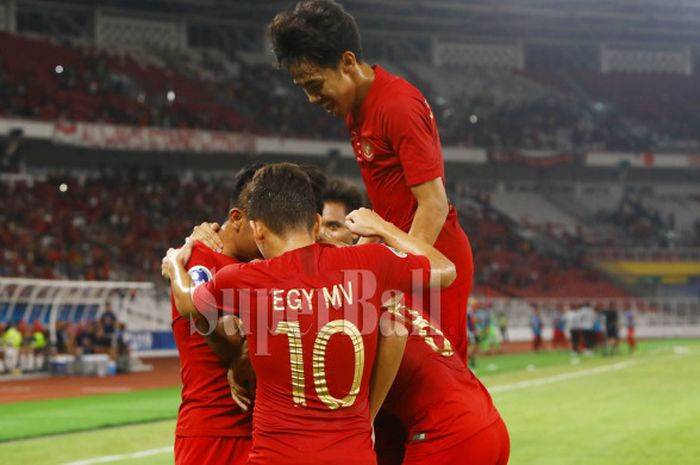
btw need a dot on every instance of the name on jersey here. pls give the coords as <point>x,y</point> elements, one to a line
<point>295,299</point>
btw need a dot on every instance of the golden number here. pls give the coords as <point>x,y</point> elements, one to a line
<point>424,327</point>
<point>296,359</point>
<point>319,362</point>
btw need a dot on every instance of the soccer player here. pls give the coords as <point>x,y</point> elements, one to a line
<point>322,367</point>
<point>211,428</point>
<point>536,326</point>
<point>339,199</point>
<point>448,414</point>
<point>612,328</point>
<point>393,134</point>
<point>631,325</point>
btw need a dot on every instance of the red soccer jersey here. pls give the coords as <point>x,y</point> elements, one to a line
<point>311,325</point>
<point>207,408</point>
<point>437,398</point>
<point>396,143</point>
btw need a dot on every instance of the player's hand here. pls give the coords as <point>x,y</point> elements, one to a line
<point>166,265</point>
<point>207,234</point>
<point>183,254</point>
<point>365,222</point>
<point>368,240</point>
<point>241,379</point>
<point>325,238</point>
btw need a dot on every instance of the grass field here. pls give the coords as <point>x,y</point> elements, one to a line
<point>628,409</point>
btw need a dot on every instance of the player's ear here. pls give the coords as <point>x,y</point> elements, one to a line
<point>236,217</point>
<point>347,62</point>
<point>317,227</point>
<point>259,230</point>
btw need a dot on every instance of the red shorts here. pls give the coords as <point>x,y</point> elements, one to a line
<point>490,446</point>
<point>212,450</point>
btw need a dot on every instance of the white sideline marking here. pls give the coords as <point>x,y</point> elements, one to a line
<point>562,377</point>
<point>116,458</point>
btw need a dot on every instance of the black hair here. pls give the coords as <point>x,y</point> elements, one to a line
<point>344,192</point>
<point>240,181</point>
<point>319,183</point>
<point>281,196</point>
<point>319,31</point>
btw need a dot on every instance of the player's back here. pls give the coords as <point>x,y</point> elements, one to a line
<point>437,398</point>
<point>313,345</point>
<point>207,409</point>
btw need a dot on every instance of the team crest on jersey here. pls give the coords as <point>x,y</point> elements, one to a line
<point>398,253</point>
<point>367,151</point>
<point>199,274</point>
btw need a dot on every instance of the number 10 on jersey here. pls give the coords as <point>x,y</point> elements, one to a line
<point>296,359</point>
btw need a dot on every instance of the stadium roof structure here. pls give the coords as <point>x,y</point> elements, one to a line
<point>634,21</point>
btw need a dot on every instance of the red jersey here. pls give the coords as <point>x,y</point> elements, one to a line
<point>207,408</point>
<point>311,320</point>
<point>397,145</point>
<point>437,398</point>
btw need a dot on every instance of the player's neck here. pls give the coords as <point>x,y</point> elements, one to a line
<point>225,234</point>
<point>279,245</point>
<point>363,79</point>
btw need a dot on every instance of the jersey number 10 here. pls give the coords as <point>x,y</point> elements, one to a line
<point>296,359</point>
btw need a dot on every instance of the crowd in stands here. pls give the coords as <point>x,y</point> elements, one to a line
<point>62,80</point>
<point>117,226</point>
<point>507,263</point>
<point>556,122</point>
<point>50,80</point>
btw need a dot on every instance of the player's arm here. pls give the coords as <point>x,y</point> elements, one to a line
<point>181,285</point>
<point>410,125</point>
<point>365,222</point>
<point>226,339</point>
<point>431,212</point>
<point>390,347</point>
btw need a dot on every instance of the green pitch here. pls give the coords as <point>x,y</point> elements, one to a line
<point>628,409</point>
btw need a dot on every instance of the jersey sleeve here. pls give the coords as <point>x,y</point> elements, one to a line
<point>395,270</point>
<point>218,294</point>
<point>200,265</point>
<point>410,126</point>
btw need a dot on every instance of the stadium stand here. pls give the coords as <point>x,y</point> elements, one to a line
<point>495,109</point>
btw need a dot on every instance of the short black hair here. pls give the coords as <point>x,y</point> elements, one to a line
<point>319,31</point>
<point>342,191</point>
<point>240,181</point>
<point>319,183</point>
<point>281,196</point>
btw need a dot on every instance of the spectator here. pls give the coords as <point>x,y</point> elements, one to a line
<point>86,338</point>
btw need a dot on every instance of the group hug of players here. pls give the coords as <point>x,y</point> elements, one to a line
<point>311,331</point>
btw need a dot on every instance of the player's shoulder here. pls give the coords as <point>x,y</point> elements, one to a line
<point>398,91</point>
<point>370,251</point>
<point>203,255</point>
<point>205,262</point>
